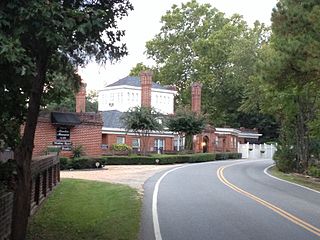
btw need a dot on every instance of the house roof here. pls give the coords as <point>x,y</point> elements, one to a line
<point>134,82</point>
<point>112,119</point>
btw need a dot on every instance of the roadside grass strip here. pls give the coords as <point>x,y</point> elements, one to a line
<point>79,209</point>
<point>272,207</point>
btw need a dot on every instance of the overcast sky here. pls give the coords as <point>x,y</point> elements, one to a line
<point>143,23</point>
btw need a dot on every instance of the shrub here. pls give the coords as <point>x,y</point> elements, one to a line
<point>120,147</point>
<point>285,159</point>
<point>314,171</point>
<point>77,151</point>
<point>65,163</point>
<point>87,162</point>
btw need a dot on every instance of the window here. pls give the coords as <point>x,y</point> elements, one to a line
<point>159,145</point>
<point>136,144</point>
<point>120,140</point>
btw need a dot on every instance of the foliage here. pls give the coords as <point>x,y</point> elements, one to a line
<point>87,162</point>
<point>285,159</point>
<point>185,122</point>
<point>135,71</point>
<point>199,43</point>
<point>121,147</point>
<point>41,41</point>
<point>79,209</point>
<point>314,171</point>
<point>92,101</point>
<point>77,151</point>
<point>286,83</point>
<point>143,121</point>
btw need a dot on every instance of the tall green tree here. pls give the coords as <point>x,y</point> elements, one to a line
<point>142,121</point>
<point>199,43</point>
<point>38,38</point>
<point>186,123</point>
<point>288,76</point>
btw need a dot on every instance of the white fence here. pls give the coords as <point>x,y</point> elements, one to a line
<point>257,151</point>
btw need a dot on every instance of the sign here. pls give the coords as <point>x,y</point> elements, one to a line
<point>63,133</point>
<point>63,139</point>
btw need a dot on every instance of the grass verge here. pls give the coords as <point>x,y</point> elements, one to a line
<point>295,178</point>
<point>79,209</point>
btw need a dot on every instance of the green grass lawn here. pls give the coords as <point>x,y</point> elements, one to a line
<point>79,209</point>
<point>299,179</point>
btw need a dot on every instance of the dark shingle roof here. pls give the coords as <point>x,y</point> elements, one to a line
<point>112,119</point>
<point>133,81</point>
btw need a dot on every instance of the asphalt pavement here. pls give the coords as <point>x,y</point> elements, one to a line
<point>227,200</point>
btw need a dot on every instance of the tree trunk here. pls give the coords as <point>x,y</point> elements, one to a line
<point>23,155</point>
<point>189,142</point>
<point>303,143</point>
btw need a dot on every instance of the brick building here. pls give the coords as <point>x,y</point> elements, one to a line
<point>69,129</point>
<point>129,92</point>
<point>218,139</point>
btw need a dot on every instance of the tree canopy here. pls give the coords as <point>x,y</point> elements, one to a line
<point>197,42</point>
<point>187,123</point>
<point>143,121</point>
<point>41,41</point>
<point>287,77</point>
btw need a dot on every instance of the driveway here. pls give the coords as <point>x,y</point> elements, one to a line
<point>132,175</point>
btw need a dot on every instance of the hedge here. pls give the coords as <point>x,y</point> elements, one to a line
<point>88,162</point>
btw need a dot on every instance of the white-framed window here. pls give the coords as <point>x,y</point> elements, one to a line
<point>136,143</point>
<point>120,140</point>
<point>159,145</point>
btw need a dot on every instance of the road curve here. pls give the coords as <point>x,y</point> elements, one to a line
<point>227,200</point>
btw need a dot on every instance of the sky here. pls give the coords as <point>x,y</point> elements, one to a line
<point>143,23</point>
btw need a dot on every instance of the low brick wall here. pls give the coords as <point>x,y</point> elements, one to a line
<point>45,176</point>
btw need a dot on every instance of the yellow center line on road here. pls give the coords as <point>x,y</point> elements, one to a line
<point>274,208</point>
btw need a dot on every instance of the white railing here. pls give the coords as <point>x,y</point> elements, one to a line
<point>257,151</point>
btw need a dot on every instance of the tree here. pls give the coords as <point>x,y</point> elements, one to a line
<point>288,76</point>
<point>38,38</point>
<point>92,101</point>
<point>142,121</point>
<point>187,123</point>
<point>135,71</point>
<point>198,43</point>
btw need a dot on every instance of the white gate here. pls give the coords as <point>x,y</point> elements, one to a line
<point>257,151</point>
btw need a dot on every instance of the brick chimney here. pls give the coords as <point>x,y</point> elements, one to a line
<point>196,97</point>
<point>81,98</point>
<point>146,83</point>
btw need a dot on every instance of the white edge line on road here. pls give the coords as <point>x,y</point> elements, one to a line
<point>155,217</point>
<point>268,174</point>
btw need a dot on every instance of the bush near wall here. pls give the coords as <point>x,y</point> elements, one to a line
<point>87,162</point>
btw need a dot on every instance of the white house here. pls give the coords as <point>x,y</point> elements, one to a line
<point>126,93</point>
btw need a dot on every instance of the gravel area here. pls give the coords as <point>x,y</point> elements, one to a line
<point>132,175</point>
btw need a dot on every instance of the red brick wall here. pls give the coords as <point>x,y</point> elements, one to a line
<point>81,99</point>
<point>112,139</point>
<point>196,97</point>
<point>87,134</point>
<point>146,83</point>
<point>44,136</point>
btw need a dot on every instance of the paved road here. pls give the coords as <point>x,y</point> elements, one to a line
<point>227,200</point>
